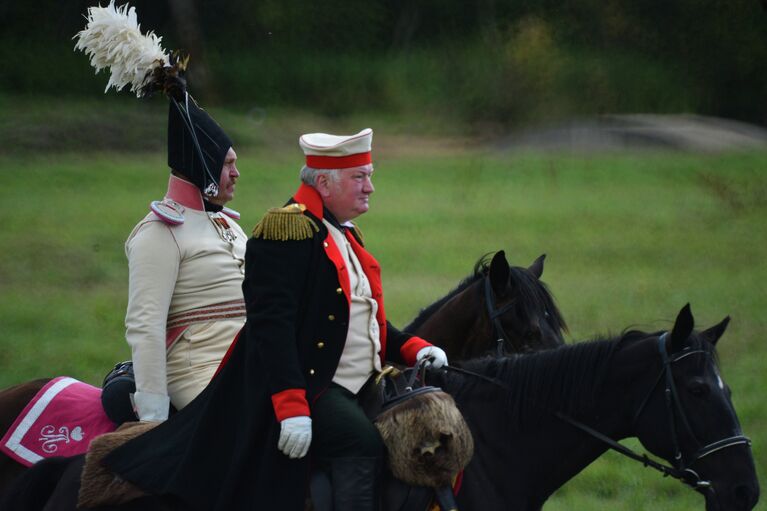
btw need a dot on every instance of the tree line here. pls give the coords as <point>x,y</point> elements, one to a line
<point>497,60</point>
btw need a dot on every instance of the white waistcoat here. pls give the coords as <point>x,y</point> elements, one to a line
<point>360,357</point>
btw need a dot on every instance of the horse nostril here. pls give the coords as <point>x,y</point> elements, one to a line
<point>744,496</point>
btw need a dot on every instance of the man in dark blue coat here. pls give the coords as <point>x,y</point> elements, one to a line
<point>315,333</point>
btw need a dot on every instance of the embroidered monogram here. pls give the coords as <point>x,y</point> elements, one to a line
<point>50,438</point>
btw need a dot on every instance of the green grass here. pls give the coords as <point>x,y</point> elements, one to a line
<point>630,239</point>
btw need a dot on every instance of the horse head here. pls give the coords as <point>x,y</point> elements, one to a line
<point>539,419</point>
<point>688,418</point>
<point>499,308</point>
<point>521,314</point>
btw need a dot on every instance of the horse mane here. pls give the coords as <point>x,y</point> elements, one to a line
<point>481,267</point>
<point>535,295</point>
<point>567,379</point>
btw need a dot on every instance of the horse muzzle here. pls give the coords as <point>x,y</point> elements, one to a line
<point>740,496</point>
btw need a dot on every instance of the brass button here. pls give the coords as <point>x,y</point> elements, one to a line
<point>331,317</point>
<point>320,345</point>
<point>325,244</point>
<point>311,371</point>
<point>339,291</point>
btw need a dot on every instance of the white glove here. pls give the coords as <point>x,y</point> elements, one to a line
<point>295,436</point>
<point>435,357</point>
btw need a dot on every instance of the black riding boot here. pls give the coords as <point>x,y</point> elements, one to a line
<point>355,484</point>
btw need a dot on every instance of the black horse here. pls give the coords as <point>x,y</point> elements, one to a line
<point>538,422</point>
<point>498,307</point>
<point>539,419</point>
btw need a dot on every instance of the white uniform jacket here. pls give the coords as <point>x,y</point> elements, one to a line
<point>185,303</point>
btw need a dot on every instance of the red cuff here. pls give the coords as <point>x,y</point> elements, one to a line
<point>290,403</point>
<point>411,348</point>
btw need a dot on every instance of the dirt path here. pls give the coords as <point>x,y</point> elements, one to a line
<point>642,131</point>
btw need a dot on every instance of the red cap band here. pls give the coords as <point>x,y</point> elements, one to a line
<point>338,162</point>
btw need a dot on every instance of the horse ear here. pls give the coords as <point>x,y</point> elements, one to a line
<point>715,332</point>
<point>499,273</point>
<point>537,267</point>
<point>682,328</point>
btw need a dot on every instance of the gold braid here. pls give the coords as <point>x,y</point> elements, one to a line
<point>288,223</point>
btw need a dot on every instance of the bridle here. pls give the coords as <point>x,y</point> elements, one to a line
<point>681,468</point>
<point>674,409</point>
<point>494,314</point>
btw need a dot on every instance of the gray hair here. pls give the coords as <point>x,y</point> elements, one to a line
<point>309,175</point>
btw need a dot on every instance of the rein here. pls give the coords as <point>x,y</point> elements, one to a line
<point>680,470</point>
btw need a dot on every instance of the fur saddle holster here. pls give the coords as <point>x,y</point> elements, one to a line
<point>99,486</point>
<point>427,438</point>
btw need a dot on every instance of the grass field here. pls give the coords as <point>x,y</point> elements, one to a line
<point>630,239</point>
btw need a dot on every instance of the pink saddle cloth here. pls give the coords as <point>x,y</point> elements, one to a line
<point>61,420</point>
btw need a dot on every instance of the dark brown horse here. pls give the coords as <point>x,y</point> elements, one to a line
<point>497,307</point>
<point>537,420</point>
<point>12,402</point>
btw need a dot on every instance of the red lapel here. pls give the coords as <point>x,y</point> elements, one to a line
<point>331,250</point>
<point>373,271</point>
<point>310,198</point>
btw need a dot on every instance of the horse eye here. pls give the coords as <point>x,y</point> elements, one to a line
<point>534,333</point>
<point>698,388</point>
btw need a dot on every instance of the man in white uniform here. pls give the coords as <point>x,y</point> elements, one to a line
<point>186,266</point>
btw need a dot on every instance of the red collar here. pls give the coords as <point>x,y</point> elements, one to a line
<point>310,198</point>
<point>185,193</point>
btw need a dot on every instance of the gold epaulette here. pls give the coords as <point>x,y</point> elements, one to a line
<point>288,223</point>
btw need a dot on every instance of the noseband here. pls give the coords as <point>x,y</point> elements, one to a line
<point>494,314</point>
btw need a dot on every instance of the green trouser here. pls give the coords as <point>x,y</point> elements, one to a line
<point>340,429</point>
<point>348,448</point>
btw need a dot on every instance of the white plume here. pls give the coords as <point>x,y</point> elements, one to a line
<point>113,39</point>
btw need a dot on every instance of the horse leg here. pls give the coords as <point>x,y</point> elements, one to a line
<point>53,484</point>
<point>33,489</point>
<point>12,402</point>
<point>10,470</point>
<point>65,493</point>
